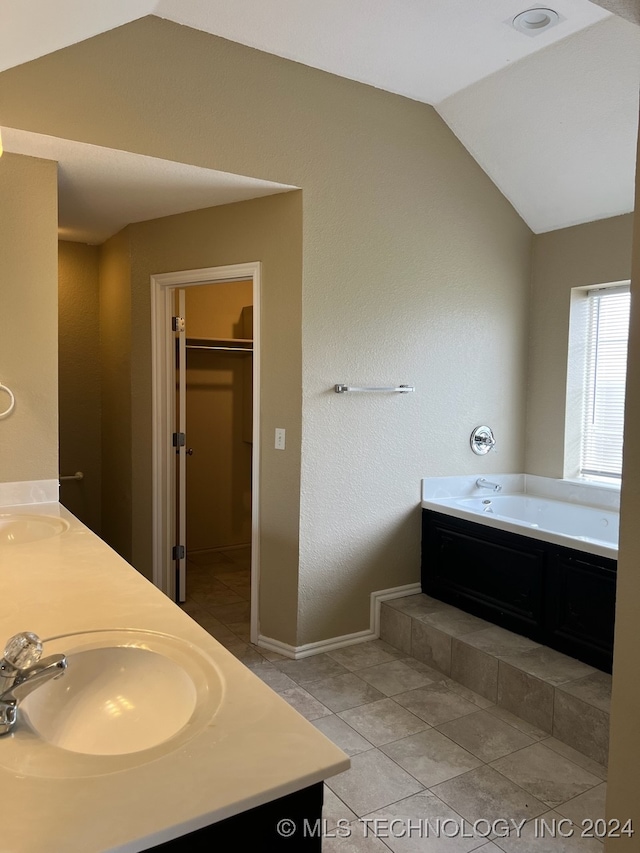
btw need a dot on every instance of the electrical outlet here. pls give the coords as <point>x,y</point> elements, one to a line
<point>280,439</point>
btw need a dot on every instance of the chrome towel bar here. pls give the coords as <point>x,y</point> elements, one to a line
<point>399,389</point>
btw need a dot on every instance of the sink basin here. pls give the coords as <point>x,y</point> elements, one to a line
<point>127,697</point>
<point>16,529</point>
<point>113,701</point>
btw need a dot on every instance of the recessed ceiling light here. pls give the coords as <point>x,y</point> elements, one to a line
<point>534,21</point>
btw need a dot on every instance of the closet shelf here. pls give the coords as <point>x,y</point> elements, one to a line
<point>221,344</point>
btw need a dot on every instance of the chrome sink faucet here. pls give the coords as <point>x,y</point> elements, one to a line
<point>481,483</point>
<point>21,672</point>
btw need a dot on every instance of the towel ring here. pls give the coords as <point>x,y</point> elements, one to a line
<point>12,401</point>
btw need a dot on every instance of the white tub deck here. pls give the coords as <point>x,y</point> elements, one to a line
<point>571,515</point>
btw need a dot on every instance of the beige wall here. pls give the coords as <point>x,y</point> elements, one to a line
<point>268,230</point>
<point>595,253</point>
<point>624,754</point>
<point>116,387</point>
<point>29,338</point>
<point>215,310</point>
<point>79,380</point>
<point>219,471</point>
<point>414,265</point>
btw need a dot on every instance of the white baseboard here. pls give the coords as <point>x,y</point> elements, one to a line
<point>384,595</point>
<point>330,645</point>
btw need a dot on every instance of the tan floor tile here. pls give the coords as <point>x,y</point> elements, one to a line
<point>313,668</point>
<point>243,651</point>
<point>394,677</point>
<point>344,692</point>
<point>236,612</point>
<point>383,721</point>
<point>334,810</point>
<point>470,695</point>
<point>242,589</point>
<point>215,627</point>
<point>589,806</point>
<point>455,622</point>
<point>431,646</point>
<point>435,704</point>
<point>535,838</point>
<point>217,598</point>
<point>475,669</point>
<point>484,735</point>
<point>361,655</point>
<point>273,657</point>
<point>268,673</point>
<point>241,629</point>
<point>526,696</point>
<point>351,839</point>
<point>524,726</point>
<point>485,794</point>
<point>500,642</point>
<point>342,735</point>
<point>550,666</point>
<point>578,758</point>
<point>395,628</point>
<point>418,605</point>
<point>372,782</point>
<point>442,830</point>
<point>192,608</point>
<point>304,703</point>
<point>550,777</point>
<point>234,576</point>
<point>594,689</point>
<point>431,757</point>
<point>582,726</point>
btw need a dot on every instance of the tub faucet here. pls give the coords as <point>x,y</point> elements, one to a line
<point>481,483</point>
<point>21,672</point>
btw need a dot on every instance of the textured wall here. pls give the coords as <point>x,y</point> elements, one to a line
<point>29,338</point>
<point>415,269</point>
<point>268,230</point>
<point>115,380</point>
<point>595,253</point>
<point>79,380</point>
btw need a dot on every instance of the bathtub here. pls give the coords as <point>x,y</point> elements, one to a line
<point>538,557</point>
<point>572,515</point>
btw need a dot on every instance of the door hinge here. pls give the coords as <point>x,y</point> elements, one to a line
<point>179,439</point>
<point>177,324</point>
<point>178,552</point>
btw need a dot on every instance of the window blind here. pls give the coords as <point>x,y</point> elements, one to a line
<point>604,386</point>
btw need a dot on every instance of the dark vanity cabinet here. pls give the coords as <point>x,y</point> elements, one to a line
<point>290,824</point>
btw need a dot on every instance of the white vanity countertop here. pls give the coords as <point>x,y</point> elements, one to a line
<point>256,748</point>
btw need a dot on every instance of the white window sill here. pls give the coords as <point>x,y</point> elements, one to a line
<point>593,483</point>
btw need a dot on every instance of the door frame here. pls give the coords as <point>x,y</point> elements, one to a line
<point>163,286</point>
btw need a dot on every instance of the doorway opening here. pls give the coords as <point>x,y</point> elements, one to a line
<point>205,439</point>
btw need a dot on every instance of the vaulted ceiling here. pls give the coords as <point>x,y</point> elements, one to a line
<point>551,117</point>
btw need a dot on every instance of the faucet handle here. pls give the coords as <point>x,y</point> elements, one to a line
<point>22,651</point>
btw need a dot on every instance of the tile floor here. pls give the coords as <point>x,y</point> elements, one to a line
<point>554,692</point>
<point>429,757</point>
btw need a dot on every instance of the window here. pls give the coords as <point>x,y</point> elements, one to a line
<point>603,314</point>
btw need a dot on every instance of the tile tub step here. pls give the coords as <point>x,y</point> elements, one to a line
<point>558,694</point>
